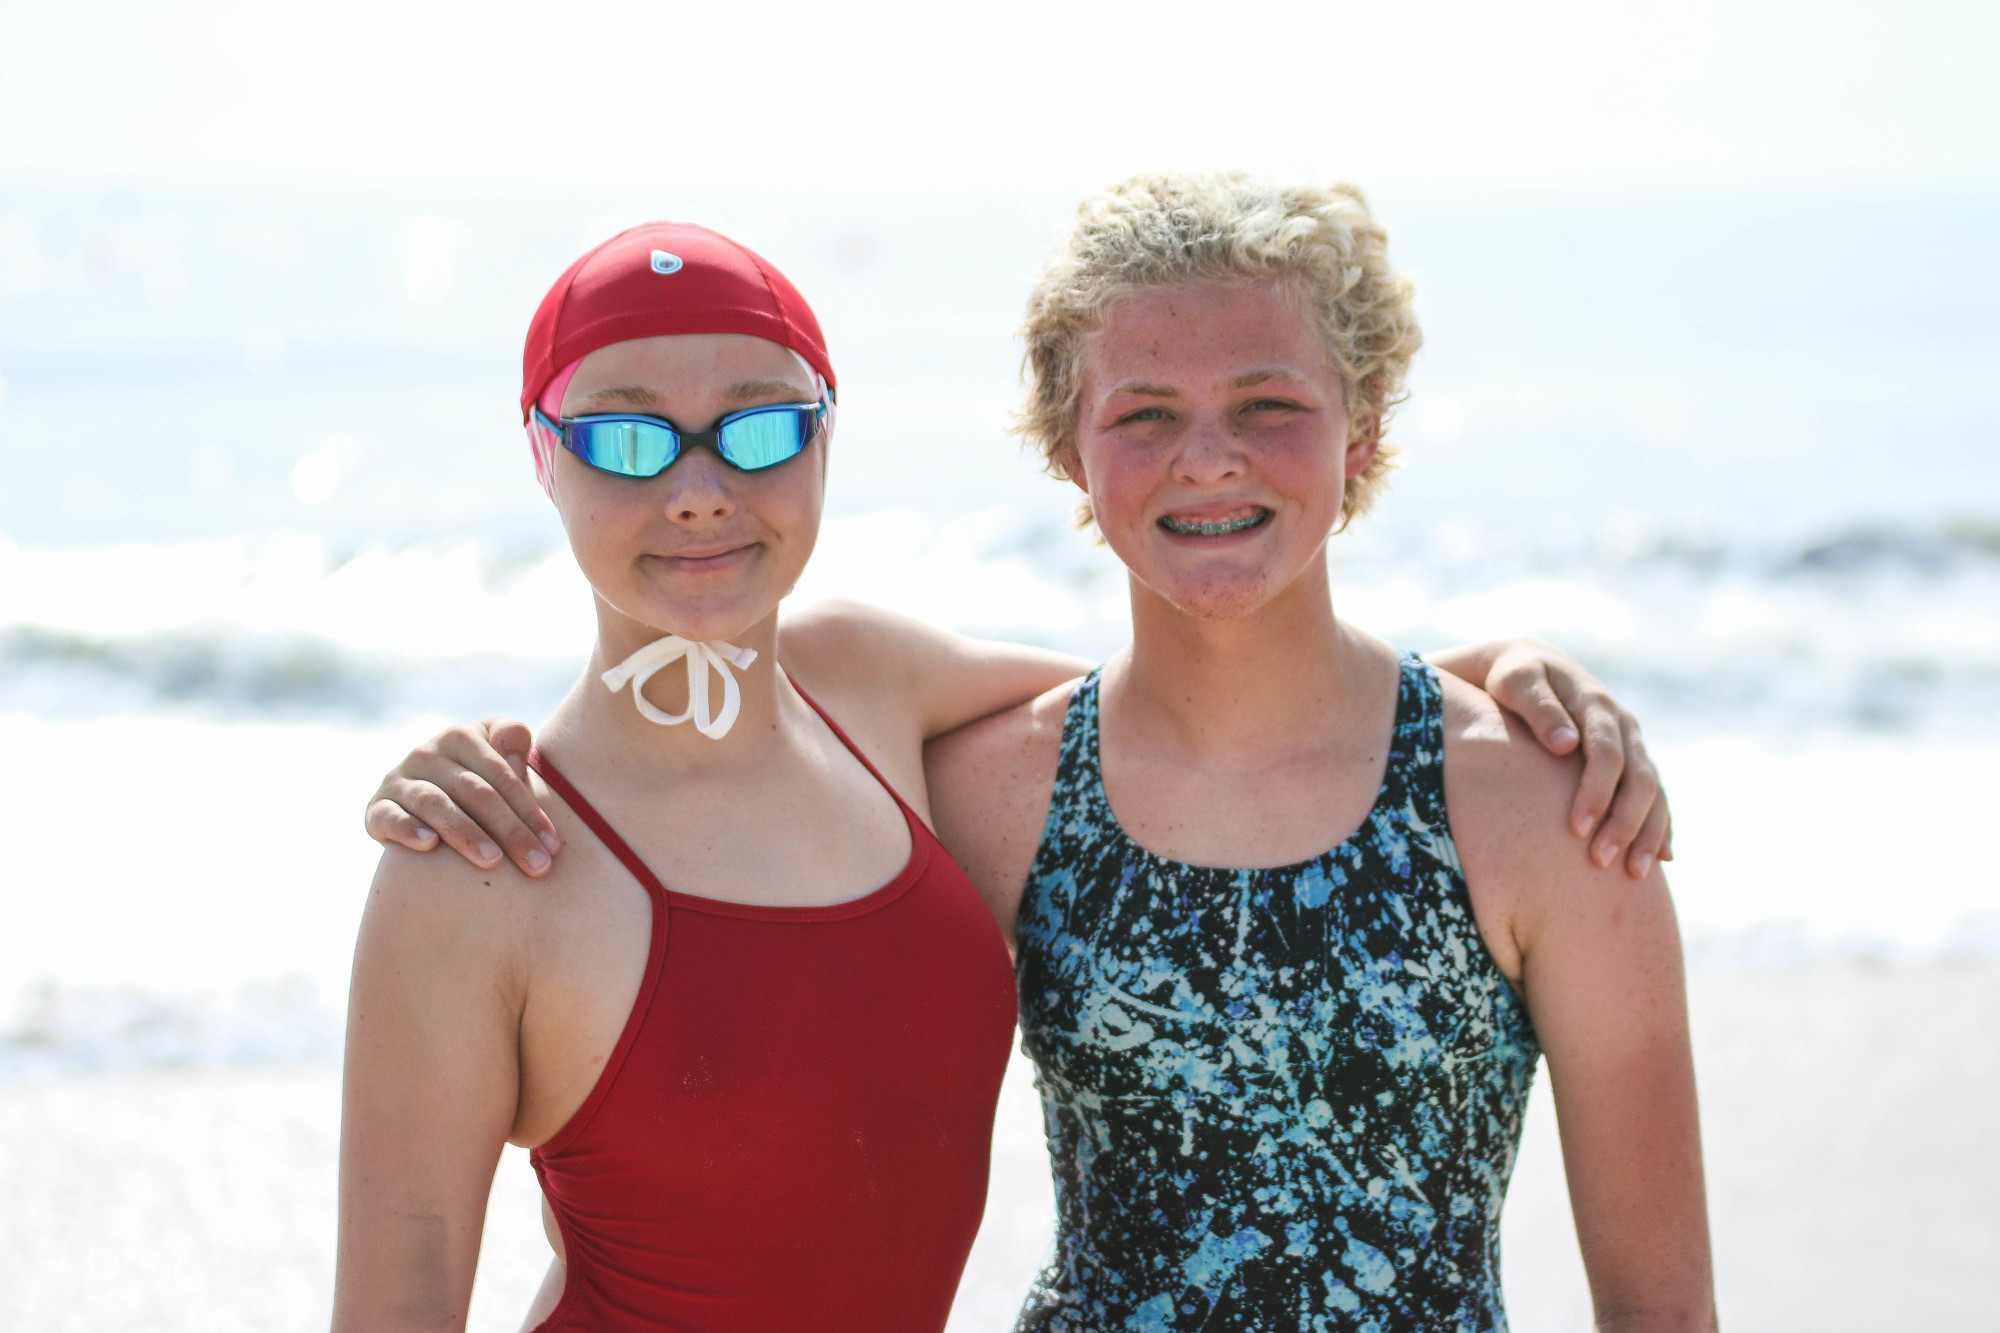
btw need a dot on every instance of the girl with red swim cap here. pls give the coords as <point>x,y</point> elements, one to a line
<point>752,1021</point>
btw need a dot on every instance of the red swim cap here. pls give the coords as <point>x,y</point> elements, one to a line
<point>664,278</point>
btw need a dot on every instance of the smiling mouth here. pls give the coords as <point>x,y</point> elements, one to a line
<point>694,560</point>
<point>1218,528</point>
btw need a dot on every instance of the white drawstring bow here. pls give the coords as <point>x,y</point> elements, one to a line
<point>701,658</point>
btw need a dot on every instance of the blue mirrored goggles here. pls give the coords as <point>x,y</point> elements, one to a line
<point>640,446</point>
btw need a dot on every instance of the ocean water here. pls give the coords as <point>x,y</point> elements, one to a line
<point>266,518</point>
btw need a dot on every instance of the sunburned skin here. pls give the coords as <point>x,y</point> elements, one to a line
<point>1246,727</point>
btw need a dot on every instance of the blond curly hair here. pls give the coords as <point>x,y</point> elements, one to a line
<point>1160,230</point>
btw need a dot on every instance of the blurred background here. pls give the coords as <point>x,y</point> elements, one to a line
<point>1710,397</point>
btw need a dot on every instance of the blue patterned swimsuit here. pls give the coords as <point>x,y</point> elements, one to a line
<point>1275,1099</point>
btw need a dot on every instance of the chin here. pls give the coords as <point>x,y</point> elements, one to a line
<point>703,620</point>
<point>1216,598</point>
<point>1223,589</point>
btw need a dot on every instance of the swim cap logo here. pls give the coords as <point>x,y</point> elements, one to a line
<point>666,263</point>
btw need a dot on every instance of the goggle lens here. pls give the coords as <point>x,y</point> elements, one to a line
<point>765,439</point>
<point>633,448</point>
<point>645,446</point>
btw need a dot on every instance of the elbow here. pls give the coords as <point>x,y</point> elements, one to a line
<point>1691,1316</point>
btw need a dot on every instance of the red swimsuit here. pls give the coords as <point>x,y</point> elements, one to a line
<point>792,1133</point>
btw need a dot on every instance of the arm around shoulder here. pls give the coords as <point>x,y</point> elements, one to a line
<point>430,1088</point>
<point>990,784</point>
<point>1597,959</point>
<point>951,678</point>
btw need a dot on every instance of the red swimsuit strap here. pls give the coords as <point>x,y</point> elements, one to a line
<point>855,750</point>
<point>600,826</point>
<point>622,850</point>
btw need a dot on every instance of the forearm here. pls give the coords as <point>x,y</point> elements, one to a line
<point>940,678</point>
<point>1692,1318</point>
<point>981,677</point>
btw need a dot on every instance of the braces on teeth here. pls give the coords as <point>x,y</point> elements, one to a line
<point>1215,529</point>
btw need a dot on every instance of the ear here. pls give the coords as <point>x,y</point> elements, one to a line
<point>1085,517</point>
<point>1067,464</point>
<point>1363,443</point>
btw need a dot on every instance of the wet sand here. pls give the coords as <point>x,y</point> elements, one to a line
<point>1848,1117</point>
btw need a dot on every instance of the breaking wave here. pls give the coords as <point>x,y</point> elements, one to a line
<point>60,1030</point>
<point>1879,629</point>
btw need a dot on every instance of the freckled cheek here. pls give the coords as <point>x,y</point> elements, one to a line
<point>1120,476</point>
<point>1303,468</point>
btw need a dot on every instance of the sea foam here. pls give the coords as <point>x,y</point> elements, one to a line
<point>1877,628</point>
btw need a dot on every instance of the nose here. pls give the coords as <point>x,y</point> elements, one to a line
<point>1209,453</point>
<point>697,487</point>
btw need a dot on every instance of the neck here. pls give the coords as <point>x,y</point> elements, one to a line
<point>605,730</point>
<point>1245,688</point>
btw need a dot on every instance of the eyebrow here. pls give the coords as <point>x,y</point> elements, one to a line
<point>745,391</point>
<point>632,395</point>
<point>1144,390</point>
<point>755,390</point>
<point>1244,381</point>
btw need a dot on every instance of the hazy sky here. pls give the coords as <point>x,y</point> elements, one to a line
<point>1052,93</point>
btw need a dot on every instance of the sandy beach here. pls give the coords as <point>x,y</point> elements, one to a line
<point>1847,1116</point>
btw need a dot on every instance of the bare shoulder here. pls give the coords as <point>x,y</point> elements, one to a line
<point>442,914</point>
<point>990,783</point>
<point>1509,801</point>
<point>837,636</point>
<point>1497,747</point>
<point>1493,762</point>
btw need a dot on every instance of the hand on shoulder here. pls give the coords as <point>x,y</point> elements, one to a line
<point>467,786</point>
<point>1619,805</point>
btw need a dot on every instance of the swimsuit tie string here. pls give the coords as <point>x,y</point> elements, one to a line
<point>701,659</point>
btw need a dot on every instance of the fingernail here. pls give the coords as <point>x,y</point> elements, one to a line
<point>538,861</point>
<point>488,852</point>
<point>1563,735</point>
<point>550,841</point>
<point>426,836</point>
<point>1603,854</point>
<point>1582,824</point>
<point>1641,864</point>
